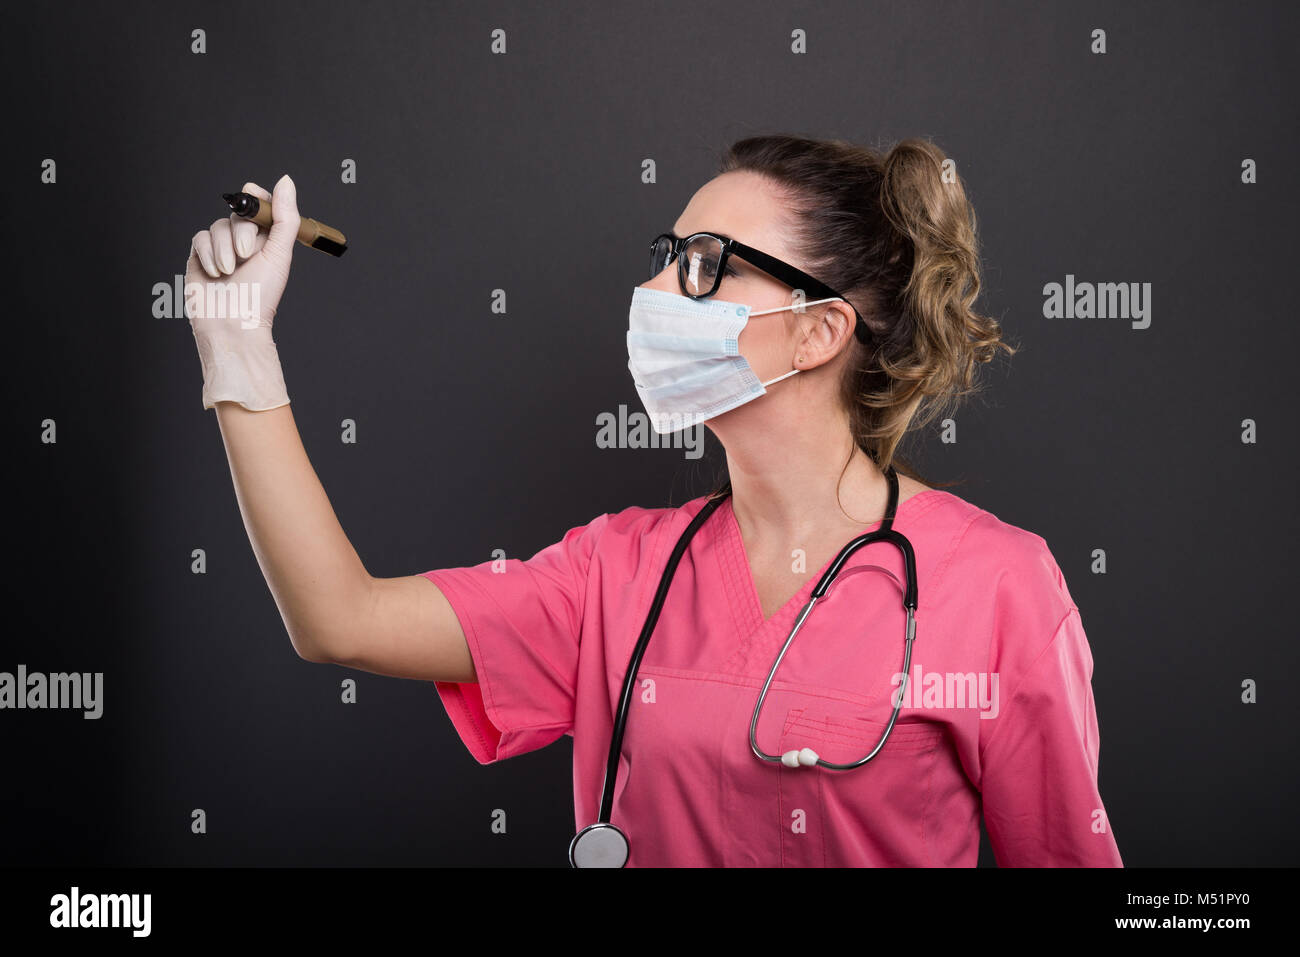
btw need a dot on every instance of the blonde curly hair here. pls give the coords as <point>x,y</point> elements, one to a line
<point>894,232</point>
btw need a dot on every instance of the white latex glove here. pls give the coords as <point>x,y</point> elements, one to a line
<point>235,276</point>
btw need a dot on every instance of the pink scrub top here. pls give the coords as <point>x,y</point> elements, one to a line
<point>999,714</point>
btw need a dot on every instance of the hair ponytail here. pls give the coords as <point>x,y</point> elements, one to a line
<point>896,234</point>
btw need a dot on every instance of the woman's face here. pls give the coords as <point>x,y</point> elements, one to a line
<point>746,207</point>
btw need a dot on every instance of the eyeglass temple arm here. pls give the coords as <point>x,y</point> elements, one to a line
<point>796,279</point>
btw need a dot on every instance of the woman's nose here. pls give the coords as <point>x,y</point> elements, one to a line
<point>666,281</point>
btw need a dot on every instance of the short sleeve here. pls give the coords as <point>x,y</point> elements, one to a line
<point>1042,807</point>
<point>523,623</point>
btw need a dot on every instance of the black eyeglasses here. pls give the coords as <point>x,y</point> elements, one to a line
<point>702,262</point>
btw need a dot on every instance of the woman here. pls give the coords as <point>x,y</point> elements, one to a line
<point>858,270</point>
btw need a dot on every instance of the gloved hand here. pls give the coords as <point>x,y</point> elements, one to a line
<point>231,317</point>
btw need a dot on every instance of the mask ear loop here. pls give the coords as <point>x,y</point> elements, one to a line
<point>800,307</point>
<point>779,378</point>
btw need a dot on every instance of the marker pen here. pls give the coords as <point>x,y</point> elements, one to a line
<point>310,232</point>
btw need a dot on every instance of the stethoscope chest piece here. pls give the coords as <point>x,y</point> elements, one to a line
<point>598,845</point>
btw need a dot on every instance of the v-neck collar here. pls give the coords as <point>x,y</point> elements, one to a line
<point>742,593</point>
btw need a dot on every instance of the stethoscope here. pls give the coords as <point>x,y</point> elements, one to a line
<point>603,844</point>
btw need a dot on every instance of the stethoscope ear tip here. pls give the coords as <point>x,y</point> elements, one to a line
<point>804,757</point>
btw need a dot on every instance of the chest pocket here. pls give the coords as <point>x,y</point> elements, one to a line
<point>874,814</point>
<point>841,738</point>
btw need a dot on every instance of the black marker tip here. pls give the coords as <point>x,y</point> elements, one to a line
<point>229,198</point>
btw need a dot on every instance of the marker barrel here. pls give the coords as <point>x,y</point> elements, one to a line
<point>311,232</point>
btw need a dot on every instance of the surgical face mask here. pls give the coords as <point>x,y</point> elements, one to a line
<point>685,360</point>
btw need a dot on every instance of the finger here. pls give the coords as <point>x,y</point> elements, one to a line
<point>256,234</point>
<point>201,245</point>
<point>284,221</point>
<point>244,234</point>
<point>259,240</point>
<point>223,247</point>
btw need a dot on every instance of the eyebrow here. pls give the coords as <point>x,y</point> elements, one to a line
<point>673,233</point>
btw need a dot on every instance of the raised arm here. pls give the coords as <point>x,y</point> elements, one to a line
<point>333,609</point>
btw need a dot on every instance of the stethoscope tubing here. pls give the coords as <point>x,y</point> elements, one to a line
<point>910,633</point>
<point>629,678</point>
<point>884,533</point>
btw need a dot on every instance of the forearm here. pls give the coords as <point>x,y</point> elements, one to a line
<point>319,583</point>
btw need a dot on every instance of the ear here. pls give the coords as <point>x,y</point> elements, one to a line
<point>825,336</point>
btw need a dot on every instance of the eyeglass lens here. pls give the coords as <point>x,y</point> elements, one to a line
<point>698,269</point>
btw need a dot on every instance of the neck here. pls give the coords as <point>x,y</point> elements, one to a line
<point>805,490</point>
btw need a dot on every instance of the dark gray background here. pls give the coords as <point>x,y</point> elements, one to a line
<point>476,431</point>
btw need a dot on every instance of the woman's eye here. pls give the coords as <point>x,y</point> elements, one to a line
<point>730,272</point>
